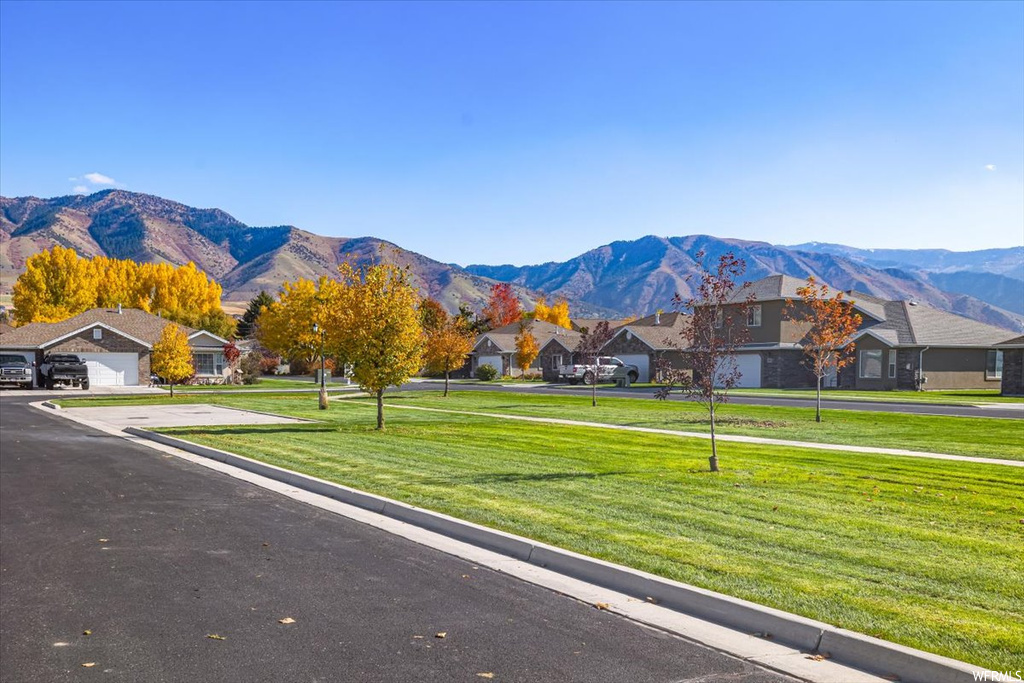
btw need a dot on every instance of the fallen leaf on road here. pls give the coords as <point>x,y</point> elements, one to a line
<point>87,632</point>
<point>653,601</point>
<point>286,620</point>
<point>601,605</point>
<point>104,540</point>
<point>441,634</point>
<point>485,674</point>
<point>214,636</point>
<point>465,576</point>
<point>418,637</point>
<point>88,664</point>
<point>266,545</point>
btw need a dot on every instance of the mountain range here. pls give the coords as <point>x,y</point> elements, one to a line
<point>622,278</point>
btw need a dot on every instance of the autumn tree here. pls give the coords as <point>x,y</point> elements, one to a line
<point>557,313</point>
<point>831,323</point>
<point>447,342</point>
<point>432,315</point>
<point>503,307</point>
<point>589,348</point>
<point>232,355</point>
<point>247,325</point>
<point>55,286</point>
<point>172,356</point>
<point>377,327</point>
<point>286,326</point>
<point>527,349</point>
<point>716,328</point>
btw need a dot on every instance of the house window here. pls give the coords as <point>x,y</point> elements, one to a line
<point>204,363</point>
<point>97,333</point>
<point>555,362</point>
<point>719,319</point>
<point>994,364</point>
<point>754,316</point>
<point>892,363</point>
<point>871,364</point>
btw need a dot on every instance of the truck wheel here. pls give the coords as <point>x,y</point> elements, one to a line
<point>633,377</point>
<point>573,381</point>
<point>85,385</point>
<point>49,383</point>
<point>588,378</point>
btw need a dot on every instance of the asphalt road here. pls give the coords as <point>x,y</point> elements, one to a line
<point>1014,411</point>
<point>153,554</point>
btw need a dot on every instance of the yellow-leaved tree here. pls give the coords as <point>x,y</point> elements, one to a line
<point>55,286</point>
<point>557,313</point>
<point>172,356</point>
<point>447,340</point>
<point>286,326</point>
<point>377,328</point>
<point>526,348</point>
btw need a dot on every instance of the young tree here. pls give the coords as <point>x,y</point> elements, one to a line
<point>717,326</point>
<point>446,347</point>
<point>556,314</point>
<point>589,348</point>
<point>432,315</point>
<point>232,355</point>
<point>831,322</point>
<point>172,356</point>
<point>527,349</point>
<point>377,328</point>
<point>247,325</point>
<point>503,307</point>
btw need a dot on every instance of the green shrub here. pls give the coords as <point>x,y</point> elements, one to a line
<point>251,367</point>
<point>486,372</point>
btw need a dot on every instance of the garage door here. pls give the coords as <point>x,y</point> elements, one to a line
<point>643,363</point>
<point>493,361</point>
<point>112,369</point>
<point>749,365</point>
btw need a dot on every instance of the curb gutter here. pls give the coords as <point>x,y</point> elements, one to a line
<point>857,650</point>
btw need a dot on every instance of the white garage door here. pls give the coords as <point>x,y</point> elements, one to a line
<point>643,363</point>
<point>749,365</point>
<point>493,361</point>
<point>112,369</point>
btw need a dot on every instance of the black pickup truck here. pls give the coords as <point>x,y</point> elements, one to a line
<point>15,369</point>
<point>63,368</point>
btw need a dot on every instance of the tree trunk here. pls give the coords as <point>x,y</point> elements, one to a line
<point>323,398</point>
<point>172,389</point>
<point>817,406</point>
<point>380,410</point>
<point>446,382</point>
<point>713,460</point>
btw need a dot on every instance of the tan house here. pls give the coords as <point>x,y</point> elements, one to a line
<point>497,348</point>
<point>650,343</point>
<point>116,345</point>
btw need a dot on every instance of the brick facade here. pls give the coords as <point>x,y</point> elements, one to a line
<point>785,369</point>
<point>1013,372</point>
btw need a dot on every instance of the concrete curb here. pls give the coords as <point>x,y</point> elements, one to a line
<point>857,650</point>
<point>50,405</point>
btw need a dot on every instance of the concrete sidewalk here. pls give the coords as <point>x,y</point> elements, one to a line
<point>185,415</point>
<point>729,437</point>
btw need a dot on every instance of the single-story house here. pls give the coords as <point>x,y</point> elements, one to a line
<point>115,343</point>
<point>497,348</point>
<point>1011,366</point>
<point>649,343</point>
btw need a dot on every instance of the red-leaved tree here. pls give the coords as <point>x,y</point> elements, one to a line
<point>231,355</point>
<point>832,322</point>
<point>718,316</point>
<point>503,307</point>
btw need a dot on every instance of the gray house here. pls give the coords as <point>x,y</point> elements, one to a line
<point>497,348</point>
<point>1011,366</point>
<point>116,345</point>
<point>650,342</point>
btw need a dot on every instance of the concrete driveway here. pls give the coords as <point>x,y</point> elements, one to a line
<point>188,415</point>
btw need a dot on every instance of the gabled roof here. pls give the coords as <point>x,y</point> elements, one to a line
<point>771,288</point>
<point>660,332</point>
<point>505,337</point>
<point>915,324</point>
<point>135,324</point>
<point>1016,342</point>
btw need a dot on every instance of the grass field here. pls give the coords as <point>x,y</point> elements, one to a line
<point>265,383</point>
<point>922,552</point>
<point>949,397</point>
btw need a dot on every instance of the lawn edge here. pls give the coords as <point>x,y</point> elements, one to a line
<point>857,650</point>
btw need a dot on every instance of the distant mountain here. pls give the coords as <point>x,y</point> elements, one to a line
<point>242,258</point>
<point>1008,262</point>
<point>638,276</point>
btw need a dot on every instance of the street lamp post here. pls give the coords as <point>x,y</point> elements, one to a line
<point>323,377</point>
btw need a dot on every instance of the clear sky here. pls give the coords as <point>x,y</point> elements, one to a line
<point>525,132</point>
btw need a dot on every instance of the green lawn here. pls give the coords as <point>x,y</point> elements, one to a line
<point>922,552</point>
<point>996,438</point>
<point>265,383</point>
<point>949,397</point>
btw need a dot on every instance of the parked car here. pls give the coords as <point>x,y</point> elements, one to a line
<point>64,369</point>
<point>15,369</point>
<point>608,369</point>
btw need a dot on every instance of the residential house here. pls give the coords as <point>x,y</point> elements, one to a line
<point>115,343</point>
<point>1010,364</point>
<point>900,344</point>
<point>497,348</point>
<point>650,343</point>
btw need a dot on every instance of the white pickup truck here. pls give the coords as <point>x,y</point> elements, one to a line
<point>609,369</point>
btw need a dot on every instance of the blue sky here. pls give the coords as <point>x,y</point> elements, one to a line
<point>528,132</point>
